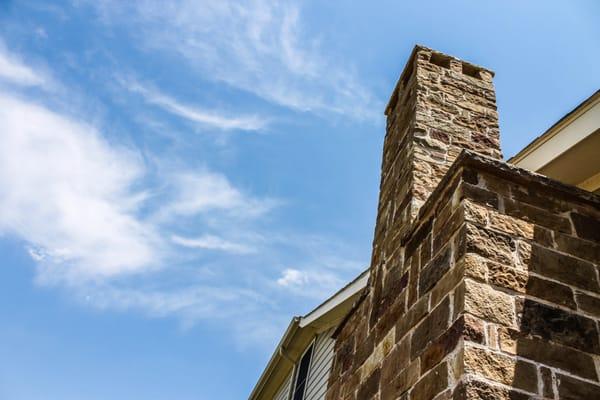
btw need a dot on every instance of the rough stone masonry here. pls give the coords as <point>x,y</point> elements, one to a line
<point>484,277</point>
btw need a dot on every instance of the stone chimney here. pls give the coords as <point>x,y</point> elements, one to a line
<point>440,106</point>
<point>484,277</point>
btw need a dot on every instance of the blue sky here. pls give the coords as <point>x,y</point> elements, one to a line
<point>177,181</point>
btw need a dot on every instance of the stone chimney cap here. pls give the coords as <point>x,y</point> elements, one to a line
<point>410,65</point>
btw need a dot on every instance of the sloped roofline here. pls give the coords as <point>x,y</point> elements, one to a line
<point>555,130</point>
<point>301,331</point>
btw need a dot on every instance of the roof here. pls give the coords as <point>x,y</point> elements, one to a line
<point>525,159</point>
<point>301,331</point>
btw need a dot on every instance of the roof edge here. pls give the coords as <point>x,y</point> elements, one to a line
<point>549,133</point>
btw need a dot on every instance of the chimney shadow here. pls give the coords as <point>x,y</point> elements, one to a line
<point>557,340</point>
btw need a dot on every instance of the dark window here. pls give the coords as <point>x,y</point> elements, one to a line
<point>302,374</point>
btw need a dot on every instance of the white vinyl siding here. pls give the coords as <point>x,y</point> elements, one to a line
<point>322,358</point>
<point>284,391</point>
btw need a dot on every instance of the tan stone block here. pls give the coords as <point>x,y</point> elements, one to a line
<point>523,254</point>
<point>475,212</point>
<point>489,304</point>
<point>494,366</point>
<point>507,339</point>
<point>397,360</point>
<point>446,284</point>
<point>507,277</point>
<point>372,362</point>
<point>473,389</point>
<point>492,245</point>
<point>492,336</point>
<point>501,368</point>
<point>388,342</point>
<point>511,225</point>
<point>475,267</point>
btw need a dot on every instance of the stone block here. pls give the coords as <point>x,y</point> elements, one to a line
<point>586,227</point>
<point>489,244</point>
<point>446,284</point>
<point>443,233</point>
<point>574,389</point>
<point>588,304</point>
<point>432,326</point>
<point>536,215</point>
<point>511,225</point>
<point>412,317</point>
<point>577,247</point>
<point>501,368</point>
<point>480,195</point>
<point>475,267</point>
<point>396,361</point>
<point>557,356</point>
<point>442,346</point>
<point>432,273</point>
<point>398,386</point>
<point>559,326</point>
<point>475,212</point>
<point>431,384</point>
<point>563,268</point>
<point>507,277</point>
<point>547,382</point>
<point>473,389</point>
<point>489,304</point>
<point>507,339</point>
<point>369,387</point>
<point>550,291</point>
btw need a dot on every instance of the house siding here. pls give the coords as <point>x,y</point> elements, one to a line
<point>316,386</point>
<point>284,391</point>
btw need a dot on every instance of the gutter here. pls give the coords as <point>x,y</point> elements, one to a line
<point>278,355</point>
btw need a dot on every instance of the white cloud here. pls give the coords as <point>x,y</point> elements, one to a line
<point>69,194</point>
<point>196,114</point>
<point>317,282</point>
<point>14,70</point>
<point>239,308</point>
<point>82,206</point>
<point>292,277</point>
<point>197,192</point>
<point>258,47</point>
<point>211,242</point>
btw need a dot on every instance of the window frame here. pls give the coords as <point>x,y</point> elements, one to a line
<point>296,371</point>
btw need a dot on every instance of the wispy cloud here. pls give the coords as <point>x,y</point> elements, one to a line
<point>259,47</point>
<point>316,282</point>
<point>198,192</point>
<point>124,230</point>
<point>15,71</point>
<point>211,242</point>
<point>69,193</point>
<point>196,114</point>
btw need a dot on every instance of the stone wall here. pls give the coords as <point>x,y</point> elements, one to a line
<point>484,281</point>
<point>531,287</point>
